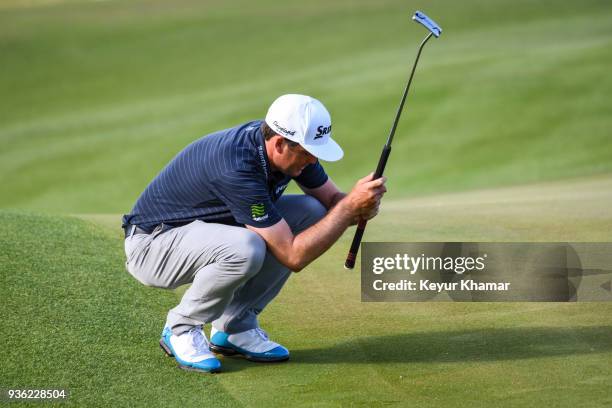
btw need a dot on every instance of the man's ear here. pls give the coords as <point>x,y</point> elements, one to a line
<point>279,144</point>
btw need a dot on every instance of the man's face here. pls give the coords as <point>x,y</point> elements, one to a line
<point>293,159</point>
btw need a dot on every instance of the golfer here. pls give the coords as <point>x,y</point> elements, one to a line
<point>216,217</point>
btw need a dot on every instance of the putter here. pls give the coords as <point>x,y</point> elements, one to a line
<point>434,30</point>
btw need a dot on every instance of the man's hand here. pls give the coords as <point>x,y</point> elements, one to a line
<point>363,201</point>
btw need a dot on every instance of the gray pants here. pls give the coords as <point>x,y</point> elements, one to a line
<point>233,277</point>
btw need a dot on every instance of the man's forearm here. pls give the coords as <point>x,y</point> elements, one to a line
<point>314,241</point>
<point>297,251</point>
<point>336,199</point>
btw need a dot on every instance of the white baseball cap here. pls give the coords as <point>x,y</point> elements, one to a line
<point>304,120</point>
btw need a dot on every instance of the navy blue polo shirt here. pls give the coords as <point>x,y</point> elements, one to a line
<point>224,177</point>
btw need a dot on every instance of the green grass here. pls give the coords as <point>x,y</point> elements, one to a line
<point>77,319</point>
<point>505,137</point>
<point>97,97</point>
<point>74,318</point>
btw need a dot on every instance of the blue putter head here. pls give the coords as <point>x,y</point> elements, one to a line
<point>431,25</point>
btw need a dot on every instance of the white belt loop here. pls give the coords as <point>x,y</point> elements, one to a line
<point>132,230</point>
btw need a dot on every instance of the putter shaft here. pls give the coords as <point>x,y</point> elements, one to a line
<point>384,156</point>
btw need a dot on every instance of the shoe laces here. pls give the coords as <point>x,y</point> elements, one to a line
<point>198,339</point>
<point>262,334</point>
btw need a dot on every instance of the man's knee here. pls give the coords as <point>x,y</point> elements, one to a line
<point>314,210</point>
<point>248,252</point>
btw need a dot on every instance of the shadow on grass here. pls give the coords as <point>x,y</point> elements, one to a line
<point>458,346</point>
<point>235,364</point>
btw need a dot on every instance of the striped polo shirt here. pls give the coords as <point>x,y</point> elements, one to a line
<point>224,177</point>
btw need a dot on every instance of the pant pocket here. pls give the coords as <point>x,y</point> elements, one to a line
<point>134,246</point>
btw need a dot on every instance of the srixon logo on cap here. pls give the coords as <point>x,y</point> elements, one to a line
<point>322,130</point>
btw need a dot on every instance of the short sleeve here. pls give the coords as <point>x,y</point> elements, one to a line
<point>312,176</point>
<point>247,197</point>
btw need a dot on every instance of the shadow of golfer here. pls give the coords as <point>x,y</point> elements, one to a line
<point>466,345</point>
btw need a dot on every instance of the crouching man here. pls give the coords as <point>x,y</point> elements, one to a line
<point>216,218</point>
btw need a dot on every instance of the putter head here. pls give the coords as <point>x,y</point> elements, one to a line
<point>431,25</point>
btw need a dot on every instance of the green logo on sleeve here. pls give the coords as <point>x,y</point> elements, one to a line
<point>258,212</point>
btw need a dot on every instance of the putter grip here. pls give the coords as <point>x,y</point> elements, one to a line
<point>352,255</point>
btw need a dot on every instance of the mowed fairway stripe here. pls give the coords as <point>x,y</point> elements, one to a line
<point>345,71</point>
<point>462,121</point>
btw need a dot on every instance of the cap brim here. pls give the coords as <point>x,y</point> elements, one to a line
<point>330,151</point>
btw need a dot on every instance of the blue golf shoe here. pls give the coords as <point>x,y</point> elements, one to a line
<point>190,349</point>
<point>252,344</point>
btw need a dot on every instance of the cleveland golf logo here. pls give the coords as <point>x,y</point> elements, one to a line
<point>322,130</point>
<point>258,212</point>
<point>283,130</point>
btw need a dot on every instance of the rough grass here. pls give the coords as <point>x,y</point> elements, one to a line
<point>73,318</point>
